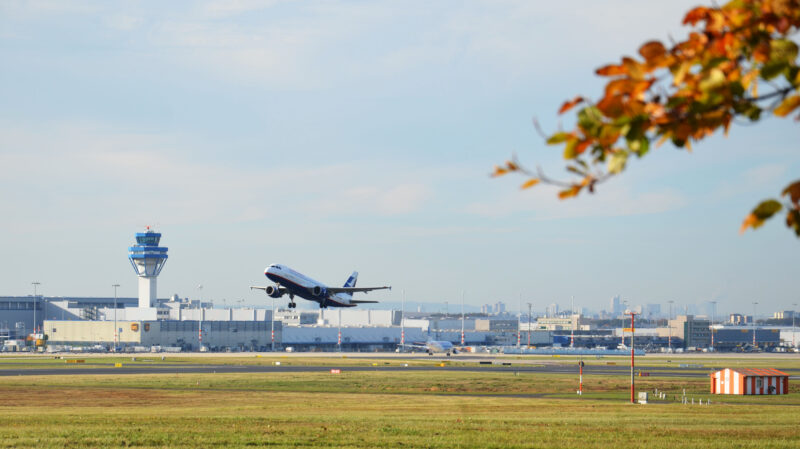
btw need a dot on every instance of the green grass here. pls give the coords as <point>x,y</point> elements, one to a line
<point>433,409</point>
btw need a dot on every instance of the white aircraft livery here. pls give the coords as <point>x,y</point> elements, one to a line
<point>432,346</point>
<point>292,283</point>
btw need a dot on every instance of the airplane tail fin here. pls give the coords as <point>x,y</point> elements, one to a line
<point>351,281</point>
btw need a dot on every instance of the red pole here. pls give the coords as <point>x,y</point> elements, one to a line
<point>632,363</point>
<point>580,380</point>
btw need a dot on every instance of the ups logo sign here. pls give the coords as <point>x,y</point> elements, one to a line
<point>135,327</point>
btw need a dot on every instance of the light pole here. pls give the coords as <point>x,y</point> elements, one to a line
<point>794,312</point>
<point>115,315</point>
<point>669,325</point>
<point>755,303</point>
<point>200,317</point>
<point>35,284</point>
<point>530,306</point>
<point>462,318</point>
<point>572,323</point>
<point>713,311</point>
<point>402,323</point>
<point>622,324</point>
<point>519,321</point>
<point>633,329</point>
<point>272,325</point>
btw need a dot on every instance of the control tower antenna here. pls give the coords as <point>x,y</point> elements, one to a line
<point>147,259</point>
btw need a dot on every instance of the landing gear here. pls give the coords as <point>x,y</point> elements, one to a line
<point>292,305</point>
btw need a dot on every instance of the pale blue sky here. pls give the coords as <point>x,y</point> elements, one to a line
<point>333,136</point>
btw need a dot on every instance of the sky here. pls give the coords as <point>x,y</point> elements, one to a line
<point>334,136</point>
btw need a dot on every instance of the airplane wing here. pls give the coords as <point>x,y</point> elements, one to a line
<point>255,287</point>
<point>335,290</point>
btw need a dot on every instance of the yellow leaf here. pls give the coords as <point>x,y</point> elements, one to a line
<point>569,193</point>
<point>617,162</point>
<point>787,106</point>
<point>499,171</point>
<point>681,72</point>
<point>529,183</point>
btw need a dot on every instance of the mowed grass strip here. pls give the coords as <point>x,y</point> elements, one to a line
<point>430,409</point>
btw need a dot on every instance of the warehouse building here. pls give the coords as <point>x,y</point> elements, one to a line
<point>749,381</point>
<point>143,335</point>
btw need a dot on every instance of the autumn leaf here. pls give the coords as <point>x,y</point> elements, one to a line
<point>652,50</point>
<point>793,190</point>
<point>569,193</point>
<point>570,104</point>
<point>761,213</point>
<point>696,15</point>
<point>787,106</point>
<point>529,183</point>
<point>611,70</point>
<point>557,138</point>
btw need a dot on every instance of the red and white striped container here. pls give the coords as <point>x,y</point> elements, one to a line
<point>749,381</point>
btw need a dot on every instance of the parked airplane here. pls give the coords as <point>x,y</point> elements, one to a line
<point>290,282</point>
<point>432,346</point>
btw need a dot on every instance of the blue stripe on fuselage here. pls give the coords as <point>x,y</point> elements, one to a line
<point>304,292</point>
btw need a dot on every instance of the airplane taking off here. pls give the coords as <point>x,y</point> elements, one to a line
<point>290,282</point>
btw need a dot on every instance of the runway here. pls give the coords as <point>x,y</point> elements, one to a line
<point>255,369</point>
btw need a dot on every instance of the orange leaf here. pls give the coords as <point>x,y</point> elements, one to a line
<point>611,70</point>
<point>499,171</point>
<point>652,50</point>
<point>749,221</point>
<point>569,193</point>
<point>696,15</point>
<point>612,106</point>
<point>570,104</point>
<point>529,183</point>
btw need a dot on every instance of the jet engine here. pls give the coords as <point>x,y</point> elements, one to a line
<point>319,291</point>
<point>274,291</point>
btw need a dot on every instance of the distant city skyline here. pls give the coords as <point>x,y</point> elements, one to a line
<point>341,136</point>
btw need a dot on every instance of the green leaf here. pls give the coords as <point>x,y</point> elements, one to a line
<point>589,119</point>
<point>557,138</point>
<point>782,50</point>
<point>569,148</point>
<point>772,69</point>
<point>767,209</point>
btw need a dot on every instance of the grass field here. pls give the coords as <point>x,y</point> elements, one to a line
<point>435,409</point>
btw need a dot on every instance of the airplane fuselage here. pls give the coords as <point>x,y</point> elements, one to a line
<point>298,284</point>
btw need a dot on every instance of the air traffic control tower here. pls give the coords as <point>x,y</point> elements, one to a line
<point>147,259</point>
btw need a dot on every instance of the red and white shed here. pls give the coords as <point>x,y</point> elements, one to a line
<point>749,381</point>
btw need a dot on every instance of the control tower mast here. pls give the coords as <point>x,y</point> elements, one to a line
<point>147,259</point>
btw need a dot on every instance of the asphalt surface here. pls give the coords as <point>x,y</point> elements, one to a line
<point>209,369</point>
